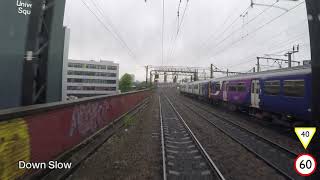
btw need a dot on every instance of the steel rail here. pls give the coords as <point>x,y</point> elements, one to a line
<point>284,149</point>
<point>213,166</point>
<point>291,154</point>
<point>162,143</point>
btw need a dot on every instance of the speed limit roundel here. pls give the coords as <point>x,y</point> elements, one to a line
<point>305,164</point>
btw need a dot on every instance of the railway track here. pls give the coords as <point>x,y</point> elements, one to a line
<point>183,155</point>
<point>278,157</point>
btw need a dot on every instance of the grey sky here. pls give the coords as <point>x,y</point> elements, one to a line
<point>139,25</point>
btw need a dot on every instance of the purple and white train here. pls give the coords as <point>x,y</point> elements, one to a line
<point>283,94</point>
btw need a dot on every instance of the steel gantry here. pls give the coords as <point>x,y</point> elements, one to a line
<point>42,67</point>
<point>194,73</point>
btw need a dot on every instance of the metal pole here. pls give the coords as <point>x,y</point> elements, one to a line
<point>313,12</point>
<point>211,71</point>
<point>289,59</point>
<point>150,78</point>
<point>147,69</point>
<point>258,64</point>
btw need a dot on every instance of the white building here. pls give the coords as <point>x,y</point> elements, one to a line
<point>90,78</point>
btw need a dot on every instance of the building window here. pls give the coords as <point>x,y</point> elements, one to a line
<point>88,66</point>
<point>112,67</point>
<point>272,87</point>
<point>91,88</point>
<point>85,73</point>
<point>293,88</point>
<point>111,75</point>
<point>96,81</point>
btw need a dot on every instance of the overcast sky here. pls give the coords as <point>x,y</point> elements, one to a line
<point>212,31</point>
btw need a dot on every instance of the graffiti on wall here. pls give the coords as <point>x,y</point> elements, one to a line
<point>87,118</point>
<point>14,146</point>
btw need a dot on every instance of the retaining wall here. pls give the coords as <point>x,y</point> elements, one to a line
<point>41,133</point>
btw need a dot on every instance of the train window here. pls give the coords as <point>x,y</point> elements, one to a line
<point>232,88</point>
<point>241,87</point>
<point>217,86</point>
<point>272,87</point>
<point>293,88</point>
<point>257,88</point>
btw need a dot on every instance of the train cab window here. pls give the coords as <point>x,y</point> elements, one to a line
<point>272,87</point>
<point>293,88</point>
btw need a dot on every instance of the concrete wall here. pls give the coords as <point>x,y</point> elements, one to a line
<point>41,133</point>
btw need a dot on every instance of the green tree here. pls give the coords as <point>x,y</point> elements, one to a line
<point>125,83</point>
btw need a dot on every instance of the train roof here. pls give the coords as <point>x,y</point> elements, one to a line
<point>299,70</point>
<point>197,82</point>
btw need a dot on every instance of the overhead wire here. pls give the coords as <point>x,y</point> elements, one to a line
<point>256,53</point>
<point>237,30</point>
<point>122,42</point>
<point>204,43</point>
<point>178,31</point>
<point>102,12</point>
<point>259,28</point>
<point>178,16</point>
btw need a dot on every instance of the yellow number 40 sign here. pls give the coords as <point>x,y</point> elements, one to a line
<point>305,135</point>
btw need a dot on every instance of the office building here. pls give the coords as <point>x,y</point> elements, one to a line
<point>90,78</point>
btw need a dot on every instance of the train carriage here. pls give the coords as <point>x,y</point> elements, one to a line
<point>283,93</point>
<point>288,94</point>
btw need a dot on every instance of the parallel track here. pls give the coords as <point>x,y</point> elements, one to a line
<point>277,156</point>
<point>183,155</point>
